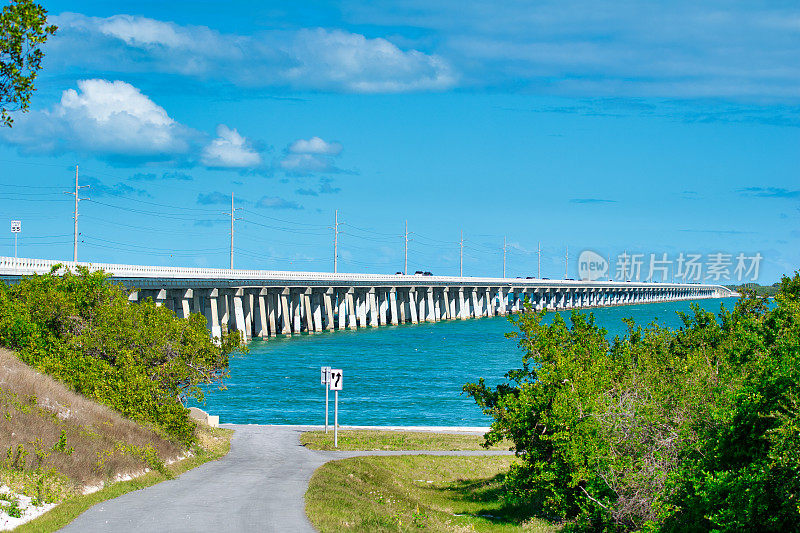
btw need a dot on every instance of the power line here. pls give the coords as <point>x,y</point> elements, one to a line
<point>290,230</point>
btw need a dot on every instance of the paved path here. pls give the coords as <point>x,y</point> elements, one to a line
<point>259,486</point>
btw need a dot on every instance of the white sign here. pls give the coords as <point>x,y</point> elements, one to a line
<point>16,226</point>
<point>336,379</point>
<point>324,375</point>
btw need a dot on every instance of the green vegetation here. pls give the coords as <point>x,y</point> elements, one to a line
<point>55,443</point>
<point>23,29</point>
<point>758,290</point>
<point>413,493</point>
<point>660,430</point>
<point>368,439</point>
<point>211,444</point>
<point>140,359</point>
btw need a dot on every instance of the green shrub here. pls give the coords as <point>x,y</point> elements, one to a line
<point>138,359</point>
<point>695,429</point>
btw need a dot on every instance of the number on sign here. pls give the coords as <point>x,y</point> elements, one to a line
<point>336,379</point>
<point>16,226</point>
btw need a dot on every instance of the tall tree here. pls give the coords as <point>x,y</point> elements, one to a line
<point>23,30</point>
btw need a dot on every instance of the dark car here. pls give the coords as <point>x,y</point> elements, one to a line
<point>398,273</point>
<point>529,277</point>
<point>427,274</point>
<point>419,273</point>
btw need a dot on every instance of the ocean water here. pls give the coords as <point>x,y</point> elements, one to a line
<point>399,375</point>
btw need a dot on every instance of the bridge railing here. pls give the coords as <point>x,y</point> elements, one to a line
<point>10,266</point>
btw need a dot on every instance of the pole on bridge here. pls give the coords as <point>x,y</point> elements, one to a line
<point>335,253</point>
<point>75,216</point>
<point>539,259</point>
<point>566,264</point>
<point>75,213</point>
<point>504,256</point>
<point>405,262</point>
<point>461,257</point>
<point>232,213</point>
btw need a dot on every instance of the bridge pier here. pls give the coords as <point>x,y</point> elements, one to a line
<point>265,303</point>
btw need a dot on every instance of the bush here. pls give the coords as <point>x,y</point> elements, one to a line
<point>138,359</point>
<point>695,429</point>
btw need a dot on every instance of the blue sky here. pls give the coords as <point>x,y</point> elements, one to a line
<point>623,126</point>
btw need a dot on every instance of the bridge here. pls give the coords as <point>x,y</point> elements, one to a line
<point>267,303</point>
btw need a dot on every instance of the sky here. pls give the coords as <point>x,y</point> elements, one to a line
<point>661,130</point>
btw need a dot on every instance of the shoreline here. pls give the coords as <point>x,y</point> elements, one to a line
<point>318,427</point>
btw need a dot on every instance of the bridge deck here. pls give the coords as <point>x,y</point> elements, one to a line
<point>266,303</point>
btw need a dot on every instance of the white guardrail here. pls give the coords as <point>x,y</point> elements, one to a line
<point>14,267</point>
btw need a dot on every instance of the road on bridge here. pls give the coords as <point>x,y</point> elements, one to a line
<point>259,486</point>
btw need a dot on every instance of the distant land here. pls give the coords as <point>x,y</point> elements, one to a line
<point>761,290</point>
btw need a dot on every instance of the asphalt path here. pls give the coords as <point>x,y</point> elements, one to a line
<point>259,485</point>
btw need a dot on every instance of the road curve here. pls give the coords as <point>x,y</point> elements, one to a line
<point>259,486</point>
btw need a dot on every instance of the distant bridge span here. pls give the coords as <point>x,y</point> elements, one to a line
<point>267,303</point>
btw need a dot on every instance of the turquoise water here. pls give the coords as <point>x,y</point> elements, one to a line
<point>398,375</point>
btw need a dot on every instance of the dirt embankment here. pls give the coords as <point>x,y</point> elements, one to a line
<point>48,431</point>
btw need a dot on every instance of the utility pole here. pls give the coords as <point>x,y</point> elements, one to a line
<point>625,273</point>
<point>336,241</point>
<point>566,264</point>
<point>539,259</point>
<point>405,263</point>
<point>504,256</point>
<point>75,213</point>
<point>232,214</point>
<point>461,259</point>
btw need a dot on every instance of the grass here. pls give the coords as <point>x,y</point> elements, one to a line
<point>368,439</point>
<point>414,493</point>
<point>214,443</point>
<point>48,427</point>
<point>55,443</point>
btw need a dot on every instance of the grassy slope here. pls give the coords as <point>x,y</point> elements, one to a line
<point>362,439</point>
<point>412,493</point>
<point>36,410</point>
<point>215,443</point>
<point>55,443</point>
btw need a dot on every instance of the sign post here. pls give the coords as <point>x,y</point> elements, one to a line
<point>16,227</point>
<point>325,379</point>
<point>336,385</point>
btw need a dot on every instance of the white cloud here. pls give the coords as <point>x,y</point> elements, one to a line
<point>305,164</point>
<point>141,31</point>
<point>310,156</point>
<point>302,59</point>
<point>108,118</point>
<point>315,145</point>
<point>275,202</point>
<point>350,61</point>
<point>229,150</point>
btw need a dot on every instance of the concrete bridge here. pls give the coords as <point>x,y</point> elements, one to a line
<point>266,303</point>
